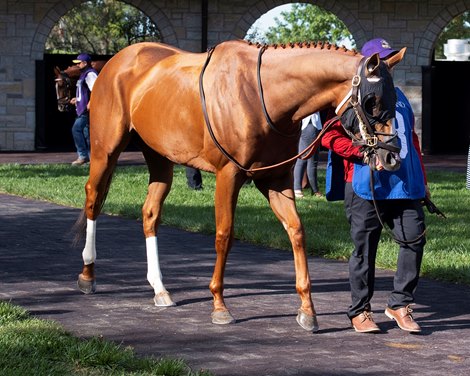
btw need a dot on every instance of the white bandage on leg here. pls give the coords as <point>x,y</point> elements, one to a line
<point>89,252</point>
<point>154,275</point>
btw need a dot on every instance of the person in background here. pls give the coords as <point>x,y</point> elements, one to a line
<point>80,128</point>
<point>194,178</point>
<point>311,127</point>
<point>398,196</point>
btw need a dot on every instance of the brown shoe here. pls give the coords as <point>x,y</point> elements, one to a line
<point>403,318</point>
<point>364,323</point>
<point>80,161</point>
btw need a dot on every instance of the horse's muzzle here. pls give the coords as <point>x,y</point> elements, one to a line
<point>65,107</point>
<point>385,159</point>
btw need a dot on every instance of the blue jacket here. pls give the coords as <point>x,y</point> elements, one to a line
<point>405,183</point>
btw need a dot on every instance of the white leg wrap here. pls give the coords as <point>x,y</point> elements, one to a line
<point>89,252</point>
<point>154,275</point>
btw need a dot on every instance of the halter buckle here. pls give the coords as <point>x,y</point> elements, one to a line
<point>356,80</point>
<point>371,141</point>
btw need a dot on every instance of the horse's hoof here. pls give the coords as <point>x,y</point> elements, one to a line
<point>222,318</point>
<point>307,322</point>
<point>163,299</point>
<point>87,287</point>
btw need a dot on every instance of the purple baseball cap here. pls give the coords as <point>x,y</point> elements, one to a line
<point>82,57</point>
<point>380,46</point>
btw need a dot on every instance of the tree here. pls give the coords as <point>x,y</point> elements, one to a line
<point>458,28</point>
<point>101,27</point>
<point>304,22</point>
<point>256,35</point>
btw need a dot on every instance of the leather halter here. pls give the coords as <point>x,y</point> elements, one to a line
<point>64,100</point>
<point>314,144</point>
<point>369,140</point>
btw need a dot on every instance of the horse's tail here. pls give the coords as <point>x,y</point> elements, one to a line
<point>79,229</point>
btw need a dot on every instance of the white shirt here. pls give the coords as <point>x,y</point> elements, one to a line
<point>316,121</point>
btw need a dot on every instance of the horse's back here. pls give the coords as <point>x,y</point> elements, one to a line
<point>135,60</point>
<point>143,55</point>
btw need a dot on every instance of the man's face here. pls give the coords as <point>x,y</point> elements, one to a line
<point>81,64</point>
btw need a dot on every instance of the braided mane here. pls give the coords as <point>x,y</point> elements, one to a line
<point>307,44</point>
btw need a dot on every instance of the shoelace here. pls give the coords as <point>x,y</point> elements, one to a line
<point>409,311</point>
<point>367,315</point>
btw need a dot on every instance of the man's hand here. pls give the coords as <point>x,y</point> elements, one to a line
<point>73,101</point>
<point>433,209</point>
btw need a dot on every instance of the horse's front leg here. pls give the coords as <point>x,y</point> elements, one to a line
<point>281,198</point>
<point>226,195</point>
<point>161,176</point>
<point>101,169</point>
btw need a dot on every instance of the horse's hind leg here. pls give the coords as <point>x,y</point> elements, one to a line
<point>102,164</point>
<point>281,198</point>
<point>161,177</point>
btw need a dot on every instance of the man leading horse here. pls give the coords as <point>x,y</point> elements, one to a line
<point>372,198</point>
<point>80,128</point>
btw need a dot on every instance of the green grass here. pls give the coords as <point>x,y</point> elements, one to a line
<point>29,346</point>
<point>447,252</point>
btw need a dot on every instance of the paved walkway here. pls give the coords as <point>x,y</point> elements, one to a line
<point>38,270</point>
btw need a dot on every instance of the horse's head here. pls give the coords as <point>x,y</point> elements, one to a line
<point>369,117</point>
<point>64,90</point>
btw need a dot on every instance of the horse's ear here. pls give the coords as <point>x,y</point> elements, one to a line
<point>56,71</point>
<point>372,65</point>
<point>396,58</point>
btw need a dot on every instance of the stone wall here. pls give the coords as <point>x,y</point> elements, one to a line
<point>25,26</point>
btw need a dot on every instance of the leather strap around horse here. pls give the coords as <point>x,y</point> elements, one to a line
<point>309,149</point>
<point>261,95</point>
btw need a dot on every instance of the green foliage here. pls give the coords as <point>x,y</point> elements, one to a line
<point>447,252</point>
<point>305,22</point>
<point>29,346</point>
<point>458,28</point>
<point>101,27</point>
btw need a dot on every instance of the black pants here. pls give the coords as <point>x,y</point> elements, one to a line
<point>193,178</point>
<point>406,220</point>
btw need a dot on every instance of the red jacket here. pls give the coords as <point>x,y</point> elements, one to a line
<point>338,141</point>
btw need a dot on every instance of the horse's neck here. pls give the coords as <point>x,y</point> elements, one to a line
<point>73,72</point>
<point>298,82</point>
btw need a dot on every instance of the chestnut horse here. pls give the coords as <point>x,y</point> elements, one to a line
<point>235,112</point>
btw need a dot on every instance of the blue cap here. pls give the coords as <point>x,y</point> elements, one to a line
<point>378,46</point>
<point>82,57</point>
